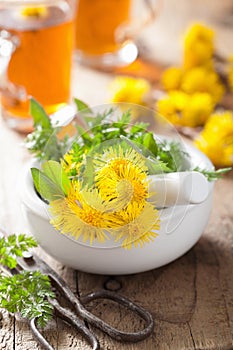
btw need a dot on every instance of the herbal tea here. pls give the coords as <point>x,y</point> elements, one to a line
<point>97,22</point>
<point>42,61</point>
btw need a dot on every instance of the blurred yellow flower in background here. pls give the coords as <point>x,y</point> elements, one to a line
<point>200,79</point>
<point>198,109</point>
<point>216,139</point>
<point>193,91</point>
<point>129,90</point>
<point>198,46</point>
<point>198,86</point>
<point>184,109</point>
<point>171,105</point>
<point>172,78</point>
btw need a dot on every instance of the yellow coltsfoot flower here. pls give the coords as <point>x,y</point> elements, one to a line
<point>198,46</point>
<point>121,177</point>
<point>183,109</point>
<point>76,216</point>
<point>172,78</point>
<point>201,79</point>
<point>129,90</point>
<point>171,106</point>
<point>198,109</point>
<point>216,139</point>
<point>122,181</point>
<point>138,226</point>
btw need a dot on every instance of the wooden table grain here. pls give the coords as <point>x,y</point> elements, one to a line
<point>191,299</point>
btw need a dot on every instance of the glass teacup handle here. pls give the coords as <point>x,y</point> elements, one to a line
<point>131,30</point>
<point>8,44</point>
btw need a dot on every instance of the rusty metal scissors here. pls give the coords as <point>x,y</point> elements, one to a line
<point>78,317</point>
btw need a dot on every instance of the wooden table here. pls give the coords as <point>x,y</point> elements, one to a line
<point>191,299</point>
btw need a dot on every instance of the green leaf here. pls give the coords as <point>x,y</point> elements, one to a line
<point>150,143</point>
<point>126,117</point>
<point>56,173</point>
<point>156,166</point>
<point>46,187</point>
<point>97,120</point>
<point>39,115</point>
<point>81,105</point>
<point>172,154</point>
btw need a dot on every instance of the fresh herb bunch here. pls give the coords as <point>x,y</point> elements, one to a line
<point>162,156</point>
<point>44,143</point>
<point>100,129</point>
<point>25,292</point>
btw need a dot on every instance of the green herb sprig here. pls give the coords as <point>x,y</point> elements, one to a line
<point>26,292</point>
<point>14,246</point>
<point>43,142</point>
<point>214,174</point>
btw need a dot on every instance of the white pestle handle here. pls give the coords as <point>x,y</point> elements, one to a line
<point>178,188</point>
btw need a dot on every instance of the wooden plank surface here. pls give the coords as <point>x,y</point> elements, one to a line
<point>191,299</point>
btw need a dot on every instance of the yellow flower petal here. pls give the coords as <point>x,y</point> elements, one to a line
<point>121,177</point>
<point>216,139</point>
<point>139,225</point>
<point>74,216</point>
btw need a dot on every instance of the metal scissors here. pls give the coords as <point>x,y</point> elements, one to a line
<point>78,317</point>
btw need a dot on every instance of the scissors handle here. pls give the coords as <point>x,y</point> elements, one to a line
<point>111,331</point>
<point>78,304</point>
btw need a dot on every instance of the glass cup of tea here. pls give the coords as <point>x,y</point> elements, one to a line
<point>36,45</point>
<point>105,30</point>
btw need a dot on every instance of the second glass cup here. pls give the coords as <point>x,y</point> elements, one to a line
<point>106,30</point>
<point>36,45</point>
